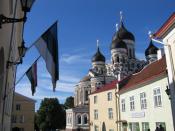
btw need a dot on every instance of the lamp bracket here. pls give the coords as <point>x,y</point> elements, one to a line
<point>5,20</point>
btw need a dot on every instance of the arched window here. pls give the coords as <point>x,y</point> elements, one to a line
<point>85,119</point>
<point>78,119</point>
<point>86,95</point>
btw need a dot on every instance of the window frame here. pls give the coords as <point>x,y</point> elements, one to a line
<point>157,102</point>
<point>110,113</point>
<point>109,96</point>
<point>132,103</point>
<point>143,100</point>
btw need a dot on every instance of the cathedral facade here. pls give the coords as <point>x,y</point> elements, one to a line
<point>123,63</point>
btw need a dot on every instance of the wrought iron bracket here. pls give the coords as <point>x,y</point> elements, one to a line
<point>5,20</point>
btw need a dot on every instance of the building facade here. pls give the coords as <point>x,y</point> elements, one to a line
<point>23,113</point>
<point>123,63</point>
<point>103,108</point>
<point>144,103</point>
<point>167,35</point>
<point>10,40</point>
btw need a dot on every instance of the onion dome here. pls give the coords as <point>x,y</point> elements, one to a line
<point>118,43</point>
<point>123,33</point>
<point>86,78</point>
<point>98,56</point>
<point>152,49</point>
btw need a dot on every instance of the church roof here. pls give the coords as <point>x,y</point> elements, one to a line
<point>98,56</point>
<point>150,72</point>
<point>118,43</point>
<point>123,33</point>
<point>152,49</point>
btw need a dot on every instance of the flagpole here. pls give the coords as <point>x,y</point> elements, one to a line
<point>25,72</point>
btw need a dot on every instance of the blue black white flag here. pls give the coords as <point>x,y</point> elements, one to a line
<point>32,76</point>
<point>47,45</point>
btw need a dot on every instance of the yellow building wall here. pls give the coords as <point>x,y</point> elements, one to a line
<point>27,109</point>
<point>102,106</point>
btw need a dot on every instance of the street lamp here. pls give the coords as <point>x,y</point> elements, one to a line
<point>26,6</point>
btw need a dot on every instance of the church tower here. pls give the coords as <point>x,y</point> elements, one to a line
<point>151,52</point>
<point>98,71</point>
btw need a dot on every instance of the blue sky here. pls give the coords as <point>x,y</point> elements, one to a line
<point>80,24</point>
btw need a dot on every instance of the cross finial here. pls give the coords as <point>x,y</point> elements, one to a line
<point>97,43</point>
<point>150,34</point>
<point>121,16</point>
<point>116,27</point>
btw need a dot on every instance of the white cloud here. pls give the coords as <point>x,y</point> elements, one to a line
<point>70,59</point>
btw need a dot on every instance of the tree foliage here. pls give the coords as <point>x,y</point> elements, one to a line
<point>69,103</point>
<point>50,115</point>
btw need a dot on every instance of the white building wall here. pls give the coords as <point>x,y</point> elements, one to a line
<point>151,114</point>
<point>169,47</point>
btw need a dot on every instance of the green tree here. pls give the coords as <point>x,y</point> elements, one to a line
<point>69,103</point>
<point>50,115</point>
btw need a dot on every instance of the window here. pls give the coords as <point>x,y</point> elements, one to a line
<point>85,119</point>
<point>14,118</point>
<point>95,99</point>
<point>21,119</point>
<point>18,107</point>
<point>109,96</point>
<point>110,113</point>
<point>145,126</point>
<point>161,125</point>
<point>132,106</point>
<point>134,126</point>
<point>123,105</point>
<point>78,119</point>
<point>143,102</point>
<point>111,129</point>
<point>95,114</point>
<point>86,95</point>
<point>157,97</point>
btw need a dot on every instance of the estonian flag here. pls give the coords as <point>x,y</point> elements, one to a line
<point>32,76</point>
<point>47,45</point>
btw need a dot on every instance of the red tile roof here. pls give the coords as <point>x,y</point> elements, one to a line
<point>106,87</point>
<point>151,71</point>
<point>165,27</point>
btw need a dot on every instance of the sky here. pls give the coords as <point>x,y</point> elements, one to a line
<point>80,24</point>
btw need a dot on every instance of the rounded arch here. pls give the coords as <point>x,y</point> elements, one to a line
<point>78,119</point>
<point>85,118</point>
<point>103,127</point>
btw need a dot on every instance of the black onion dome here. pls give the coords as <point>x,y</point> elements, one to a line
<point>98,56</point>
<point>152,49</point>
<point>123,33</point>
<point>118,43</point>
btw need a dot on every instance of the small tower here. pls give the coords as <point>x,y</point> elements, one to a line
<point>151,52</point>
<point>127,37</point>
<point>98,71</point>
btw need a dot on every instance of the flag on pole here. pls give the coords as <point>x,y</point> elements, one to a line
<point>32,76</point>
<point>47,45</point>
